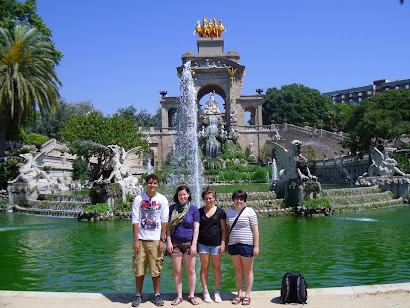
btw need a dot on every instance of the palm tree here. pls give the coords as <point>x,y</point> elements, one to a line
<point>27,78</point>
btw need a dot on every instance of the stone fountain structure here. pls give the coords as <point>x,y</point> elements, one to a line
<point>31,181</point>
<point>384,173</point>
<point>295,182</point>
<point>117,171</point>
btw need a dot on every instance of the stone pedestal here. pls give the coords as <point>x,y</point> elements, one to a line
<point>210,46</point>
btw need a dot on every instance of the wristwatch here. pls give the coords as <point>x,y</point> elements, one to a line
<point>164,239</point>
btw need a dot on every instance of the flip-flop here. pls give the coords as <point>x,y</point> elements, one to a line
<point>236,300</point>
<point>193,300</point>
<point>176,301</point>
<point>246,301</point>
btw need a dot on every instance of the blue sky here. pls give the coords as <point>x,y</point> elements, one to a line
<point>121,53</point>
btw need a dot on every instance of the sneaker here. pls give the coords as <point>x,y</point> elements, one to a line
<point>157,300</point>
<point>207,297</point>
<point>136,301</point>
<point>218,298</point>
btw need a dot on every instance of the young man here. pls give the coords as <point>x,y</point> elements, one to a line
<point>150,212</point>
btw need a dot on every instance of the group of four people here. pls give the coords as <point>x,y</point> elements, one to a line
<point>188,231</point>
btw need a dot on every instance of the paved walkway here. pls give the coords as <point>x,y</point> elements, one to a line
<point>387,295</point>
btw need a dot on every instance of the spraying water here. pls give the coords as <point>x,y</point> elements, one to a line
<point>274,170</point>
<point>187,161</point>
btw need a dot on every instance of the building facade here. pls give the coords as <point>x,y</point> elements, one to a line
<point>356,95</point>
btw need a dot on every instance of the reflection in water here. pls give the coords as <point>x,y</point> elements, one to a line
<point>56,254</point>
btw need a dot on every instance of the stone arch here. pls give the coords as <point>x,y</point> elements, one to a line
<point>252,112</point>
<point>206,89</point>
<point>171,113</point>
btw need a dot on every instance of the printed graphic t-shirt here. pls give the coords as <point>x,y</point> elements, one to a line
<point>150,213</point>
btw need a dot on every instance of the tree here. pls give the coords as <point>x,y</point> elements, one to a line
<point>14,13</point>
<point>89,135</point>
<point>295,104</point>
<point>50,125</point>
<point>141,118</point>
<point>27,78</point>
<point>382,116</point>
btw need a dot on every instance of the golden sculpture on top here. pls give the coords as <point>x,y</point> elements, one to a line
<point>209,28</point>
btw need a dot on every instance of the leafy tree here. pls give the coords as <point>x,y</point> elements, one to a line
<point>295,104</point>
<point>50,125</point>
<point>335,118</point>
<point>17,13</point>
<point>382,116</point>
<point>37,139</point>
<point>27,78</point>
<point>89,135</point>
<point>80,170</point>
<point>141,118</point>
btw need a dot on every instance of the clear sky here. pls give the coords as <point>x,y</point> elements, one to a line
<point>121,53</point>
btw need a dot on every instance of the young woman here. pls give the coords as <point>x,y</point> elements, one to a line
<point>182,237</point>
<point>211,242</point>
<point>243,244</point>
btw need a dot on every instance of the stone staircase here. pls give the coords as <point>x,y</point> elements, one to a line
<point>55,205</point>
<point>264,203</point>
<point>360,198</point>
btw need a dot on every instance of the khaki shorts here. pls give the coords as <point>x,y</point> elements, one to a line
<point>148,255</point>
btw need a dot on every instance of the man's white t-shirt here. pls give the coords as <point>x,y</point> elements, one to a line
<point>150,213</point>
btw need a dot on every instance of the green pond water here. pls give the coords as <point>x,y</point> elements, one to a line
<point>59,254</point>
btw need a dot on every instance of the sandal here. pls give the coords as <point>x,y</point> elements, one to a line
<point>236,300</point>
<point>193,300</point>
<point>176,301</point>
<point>246,301</point>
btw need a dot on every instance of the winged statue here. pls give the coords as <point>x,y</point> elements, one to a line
<point>31,170</point>
<point>293,162</point>
<point>382,163</point>
<point>121,163</point>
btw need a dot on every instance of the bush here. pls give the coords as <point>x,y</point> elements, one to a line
<point>317,202</point>
<point>99,207</point>
<point>36,139</point>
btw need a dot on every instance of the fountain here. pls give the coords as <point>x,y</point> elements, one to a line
<point>295,183</point>
<point>212,115</point>
<point>384,172</point>
<point>186,161</point>
<point>274,170</point>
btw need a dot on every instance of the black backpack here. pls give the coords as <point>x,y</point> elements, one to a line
<point>294,288</point>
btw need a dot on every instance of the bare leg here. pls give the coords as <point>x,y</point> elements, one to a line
<point>177,264</point>
<point>216,265</point>
<point>156,282</point>
<point>139,281</point>
<point>247,265</point>
<point>237,264</point>
<point>190,270</point>
<point>205,261</point>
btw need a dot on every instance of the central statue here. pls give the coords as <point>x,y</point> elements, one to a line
<point>209,28</point>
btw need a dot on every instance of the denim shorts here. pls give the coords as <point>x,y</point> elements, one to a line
<point>241,249</point>
<point>213,250</point>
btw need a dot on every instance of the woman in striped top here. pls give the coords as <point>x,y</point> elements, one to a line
<point>243,244</point>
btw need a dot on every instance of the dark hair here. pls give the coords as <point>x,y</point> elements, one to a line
<point>182,187</point>
<point>239,194</point>
<point>151,176</point>
<point>208,190</point>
